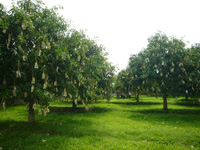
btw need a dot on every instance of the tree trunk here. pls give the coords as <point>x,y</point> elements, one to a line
<point>165,102</point>
<point>31,115</point>
<point>186,97</point>
<point>137,97</point>
<point>74,104</point>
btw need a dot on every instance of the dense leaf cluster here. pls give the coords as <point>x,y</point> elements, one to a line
<point>41,57</point>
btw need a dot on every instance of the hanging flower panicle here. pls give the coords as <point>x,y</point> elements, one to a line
<point>34,106</point>
<point>36,65</point>
<point>44,85</point>
<point>55,83</point>
<point>43,45</point>
<point>25,94</point>
<point>33,80</point>
<point>32,88</point>
<point>39,112</point>
<point>39,53</point>
<point>64,92</point>
<point>18,74</point>
<point>57,68</point>
<point>43,75</point>
<point>66,75</point>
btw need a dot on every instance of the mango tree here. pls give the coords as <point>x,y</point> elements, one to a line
<point>163,57</point>
<point>137,67</point>
<point>30,33</point>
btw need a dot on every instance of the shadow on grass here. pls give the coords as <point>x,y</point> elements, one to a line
<point>135,103</point>
<point>67,127</point>
<point>169,111</point>
<point>189,103</point>
<point>22,134</point>
<point>95,109</point>
<point>67,109</point>
<point>171,117</point>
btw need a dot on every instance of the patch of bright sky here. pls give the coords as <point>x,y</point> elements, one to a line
<point>123,26</point>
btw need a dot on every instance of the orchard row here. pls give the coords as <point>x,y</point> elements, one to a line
<point>41,56</point>
<point>165,67</point>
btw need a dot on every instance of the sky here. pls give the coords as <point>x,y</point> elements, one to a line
<point>124,26</point>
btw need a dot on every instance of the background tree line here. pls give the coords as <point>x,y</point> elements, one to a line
<point>166,67</point>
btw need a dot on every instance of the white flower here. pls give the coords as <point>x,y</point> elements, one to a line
<point>79,58</point>
<point>15,52</point>
<point>181,65</point>
<point>32,88</point>
<point>66,76</point>
<point>47,109</point>
<point>18,74</point>
<point>57,69</point>
<point>39,53</point>
<point>43,75</point>
<point>23,26</point>
<point>75,102</point>
<point>172,64</point>
<point>33,80</point>
<point>48,45</point>
<point>25,94</point>
<point>24,58</point>
<point>147,60</point>
<point>64,93</point>
<point>36,65</point>
<point>55,83</point>
<point>34,106</point>
<point>44,112</point>
<point>44,85</point>
<point>39,112</point>
<point>43,45</point>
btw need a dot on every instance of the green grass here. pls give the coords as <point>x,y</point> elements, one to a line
<point>120,124</point>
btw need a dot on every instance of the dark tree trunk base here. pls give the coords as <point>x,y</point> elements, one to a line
<point>74,105</point>
<point>165,103</point>
<point>31,115</point>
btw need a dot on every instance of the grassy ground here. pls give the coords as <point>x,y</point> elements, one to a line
<point>120,124</point>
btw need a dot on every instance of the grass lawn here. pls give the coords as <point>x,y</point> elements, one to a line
<point>120,124</point>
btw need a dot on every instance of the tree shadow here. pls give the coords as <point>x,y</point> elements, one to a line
<point>20,134</point>
<point>100,110</point>
<point>189,103</point>
<point>94,109</point>
<point>67,110</point>
<point>174,117</point>
<point>135,103</point>
<point>169,111</point>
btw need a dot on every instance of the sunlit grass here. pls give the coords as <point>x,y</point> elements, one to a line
<point>119,124</point>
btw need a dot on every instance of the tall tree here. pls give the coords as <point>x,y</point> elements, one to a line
<point>163,57</point>
<point>30,34</point>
